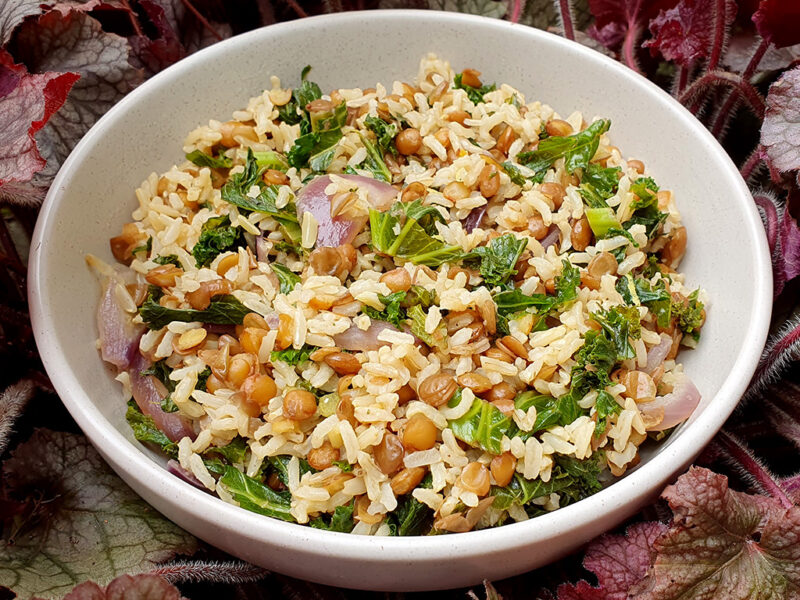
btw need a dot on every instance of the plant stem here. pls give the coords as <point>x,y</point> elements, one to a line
<point>683,79</point>
<point>719,35</point>
<point>725,113</point>
<point>742,457</point>
<point>771,215</point>
<point>517,8</point>
<point>628,48</point>
<point>203,21</point>
<point>751,163</point>
<point>132,16</point>
<point>297,9</point>
<point>776,356</point>
<point>714,78</point>
<point>565,10</point>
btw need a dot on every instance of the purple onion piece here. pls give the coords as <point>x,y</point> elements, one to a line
<point>119,337</point>
<point>148,398</point>
<point>551,237</point>
<point>474,218</point>
<point>174,467</point>
<point>335,231</point>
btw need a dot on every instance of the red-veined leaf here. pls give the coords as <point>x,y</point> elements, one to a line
<point>778,21</point>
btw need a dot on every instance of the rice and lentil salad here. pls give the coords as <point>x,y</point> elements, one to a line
<point>428,309</point>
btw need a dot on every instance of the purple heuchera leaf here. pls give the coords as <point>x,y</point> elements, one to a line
<point>12,13</point>
<point>778,22</point>
<point>83,522</point>
<point>614,19</point>
<point>780,133</point>
<point>27,102</point>
<point>127,587</point>
<point>618,561</point>
<point>685,32</point>
<point>76,42</point>
<point>789,236</point>
<point>723,544</point>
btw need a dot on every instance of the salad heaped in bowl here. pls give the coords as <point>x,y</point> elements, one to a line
<point>432,308</point>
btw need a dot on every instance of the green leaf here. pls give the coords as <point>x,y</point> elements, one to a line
<point>374,162</point>
<point>292,356</point>
<point>512,302</point>
<point>217,236</point>
<point>483,425</point>
<point>146,247</point>
<point>498,259</point>
<point>606,406</point>
<point>145,430</point>
<point>655,297</point>
<point>645,209</point>
<point>169,259</point>
<point>223,310</point>
<point>392,313</point>
<point>593,364</point>
<point>514,174</point>
<point>271,160</point>
<point>294,111</point>
<point>236,189</point>
<point>161,371</point>
<point>620,324</point>
<point>576,150</point>
<point>413,242</point>
<point>602,220</point>
<point>79,521</point>
<point>286,278</point>
<point>341,520</point>
<point>604,180</point>
<point>254,496</point>
<point>233,452</point>
<point>316,147</point>
<point>437,339</point>
<point>384,133</point>
<point>474,94</point>
<point>689,315</point>
<point>201,159</point>
<point>411,517</point>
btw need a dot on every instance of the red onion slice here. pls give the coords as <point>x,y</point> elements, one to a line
<point>341,230</point>
<point>148,399</point>
<point>677,406</point>
<point>119,337</point>
<point>174,467</point>
<point>474,218</point>
<point>551,237</point>
<point>359,340</point>
<point>657,354</point>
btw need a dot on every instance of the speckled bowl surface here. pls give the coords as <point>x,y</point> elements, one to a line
<point>93,195</point>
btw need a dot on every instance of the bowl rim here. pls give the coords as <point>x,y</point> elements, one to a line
<point>138,467</point>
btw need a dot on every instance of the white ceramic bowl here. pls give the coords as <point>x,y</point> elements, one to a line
<point>93,195</point>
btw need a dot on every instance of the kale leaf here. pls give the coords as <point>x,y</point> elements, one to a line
<point>201,159</point>
<point>223,310</point>
<point>255,496</point>
<point>392,313</point>
<point>483,425</point>
<point>406,231</point>
<point>286,278</point>
<point>341,520</point>
<point>576,150</point>
<point>384,133</point>
<point>293,356</point>
<point>498,259</point>
<point>475,94</point>
<point>145,430</point>
<point>216,236</point>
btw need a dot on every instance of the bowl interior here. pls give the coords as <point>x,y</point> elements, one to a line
<point>93,196</point>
